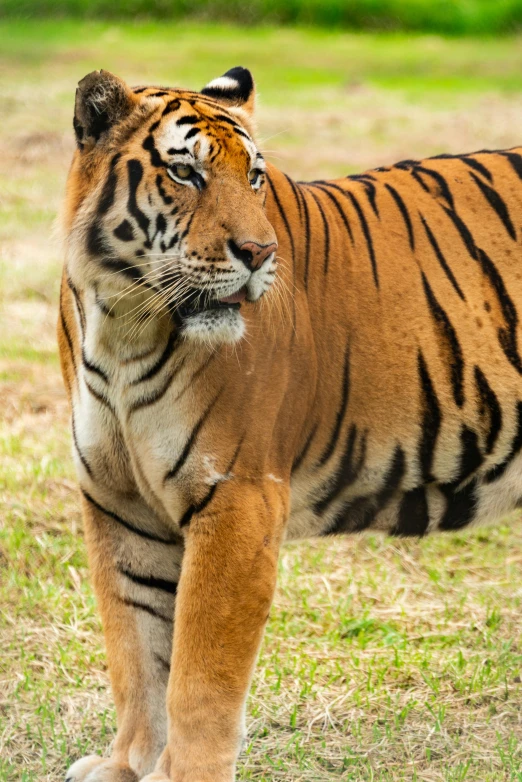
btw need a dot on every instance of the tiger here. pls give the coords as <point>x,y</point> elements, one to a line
<point>249,360</point>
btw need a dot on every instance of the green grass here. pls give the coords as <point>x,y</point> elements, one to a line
<point>383,660</point>
<point>455,17</point>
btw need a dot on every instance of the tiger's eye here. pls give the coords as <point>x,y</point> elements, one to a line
<point>253,176</point>
<point>183,172</point>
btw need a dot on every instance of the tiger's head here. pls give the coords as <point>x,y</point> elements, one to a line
<point>166,195</point>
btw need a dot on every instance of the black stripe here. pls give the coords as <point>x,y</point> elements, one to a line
<point>151,399</point>
<point>197,507</point>
<point>151,582</point>
<point>79,303</point>
<point>449,335</point>
<point>241,132</point>
<point>499,469</point>
<point>185,231</point>
<point>470,458</point>
<point>306,447</point>
<point>358,514</point>
<point>440,257</point>
<point>172,105</point>
<point>497,203</point>
<point>476,166</point>
<point>439,179</point>
<point>162,360</point>
<point>465,233</point>
<point>224,118</point>
<point>128,270</point>
<point>489,409</point>
<point>109,189</point>
<point>349,468</point>
<point>96,244</point>
<point>404,212</point>
<point>135,172</point>
<point>364,226</point>
<point>362,177</point>
<point>371,192</point>
<point>191,440</point>
<point>420,180</point>
<point>94,368</point>
<point>148,144</point>
<point>507,335</point>
<point>154,397</point>
<point>308,240</point>
<point>192,132</point>
<point>130,527</point>
<point>515,162</point>
<point>461,507</point>
<point>99,397</point>
<point>337,205</point>
<point>147,608</point>
<point>282,213</point>
<point>124,231</point>
<point>403,165</point>
<point>341,412</point>
<point>161,190</point>
<point>326,232</point>
<point>67,333</point>
<point>413,514</point>
<point>431,421</point>
<point>297,194</point>
<point>190,119</point>
<point>390,486</point>
<point>78,451</point>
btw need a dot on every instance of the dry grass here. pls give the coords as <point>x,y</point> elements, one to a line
<point>383,660</point>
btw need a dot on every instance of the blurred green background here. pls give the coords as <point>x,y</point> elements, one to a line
<point>441,16</point>
<point>384,660</point>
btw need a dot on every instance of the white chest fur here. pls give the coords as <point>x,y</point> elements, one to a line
<point>132,410</point>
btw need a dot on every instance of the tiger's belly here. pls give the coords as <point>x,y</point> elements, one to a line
<point>485,497</point>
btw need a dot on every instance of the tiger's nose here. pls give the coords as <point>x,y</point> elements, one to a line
<point>253,254</point>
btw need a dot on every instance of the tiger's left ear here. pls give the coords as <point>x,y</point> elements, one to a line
<point>235,89</point>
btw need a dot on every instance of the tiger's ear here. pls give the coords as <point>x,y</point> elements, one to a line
<point>102,100</point>
<point>234,88</point>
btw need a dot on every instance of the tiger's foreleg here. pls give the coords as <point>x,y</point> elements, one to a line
<point>137,610</point>
<point>225,592</point>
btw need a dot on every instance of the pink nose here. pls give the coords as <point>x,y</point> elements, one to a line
<point>257,252</point>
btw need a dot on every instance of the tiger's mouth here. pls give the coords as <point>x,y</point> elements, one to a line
<point>198,302</point>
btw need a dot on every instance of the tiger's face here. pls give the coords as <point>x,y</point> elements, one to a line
<point>167,193</point>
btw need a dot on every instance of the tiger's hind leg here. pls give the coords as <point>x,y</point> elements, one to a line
<point>135,578</point>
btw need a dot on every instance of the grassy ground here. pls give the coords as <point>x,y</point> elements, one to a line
<point>383,660</point>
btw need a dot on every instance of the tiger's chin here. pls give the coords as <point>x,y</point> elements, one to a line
<point>215,327</point>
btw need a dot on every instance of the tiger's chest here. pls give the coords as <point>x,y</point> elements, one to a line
<point>134,412</point>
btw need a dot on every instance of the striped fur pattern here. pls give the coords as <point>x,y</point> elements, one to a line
<point>251,359</point>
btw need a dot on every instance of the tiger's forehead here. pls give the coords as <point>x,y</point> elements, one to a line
<point>193,125</point>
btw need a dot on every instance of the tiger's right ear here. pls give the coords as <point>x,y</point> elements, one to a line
<point>235,88</point>
<point>102,100</point>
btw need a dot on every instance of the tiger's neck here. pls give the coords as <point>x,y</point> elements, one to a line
<point>119,328</point>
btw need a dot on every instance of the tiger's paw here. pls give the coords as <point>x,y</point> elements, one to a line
<point>96,769</point>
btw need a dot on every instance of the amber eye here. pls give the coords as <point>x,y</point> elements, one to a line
<point>254,177</point>
<point>181,172</point>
